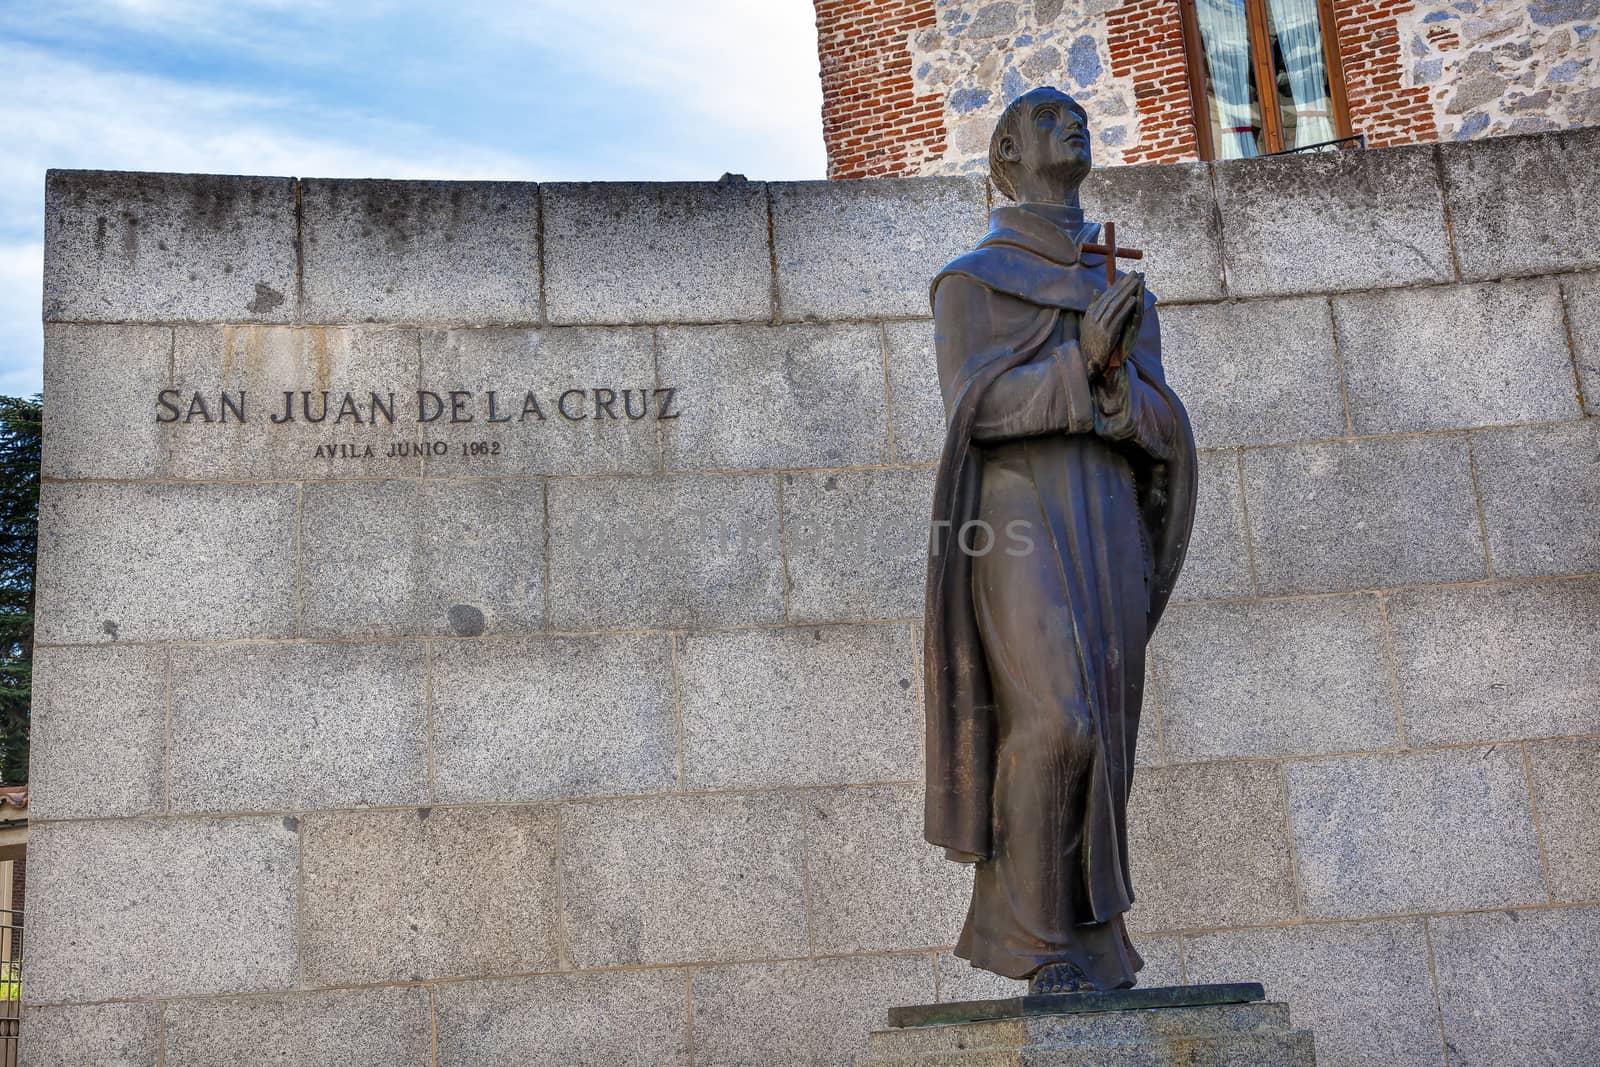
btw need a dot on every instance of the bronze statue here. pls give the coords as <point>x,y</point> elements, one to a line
<point>1062,512</point>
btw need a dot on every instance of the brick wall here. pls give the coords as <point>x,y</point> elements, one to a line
<point>873,122</point>
<point>1382,103</point>
<point>538,756</point>
<point>1145,39</point>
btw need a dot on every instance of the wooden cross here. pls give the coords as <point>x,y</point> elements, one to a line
<point>1112,253</point>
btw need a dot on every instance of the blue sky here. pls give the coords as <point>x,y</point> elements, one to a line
<point>539,90</point>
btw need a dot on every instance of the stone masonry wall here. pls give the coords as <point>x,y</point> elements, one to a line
<point>1386,105</point>
<point>873,123</point>
<point>1505,66</point>
<point>1415,71</point>
<point>1145,41</point>
<point>604,748</point>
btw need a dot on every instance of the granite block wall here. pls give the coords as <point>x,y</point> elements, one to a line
<point>580,722</point>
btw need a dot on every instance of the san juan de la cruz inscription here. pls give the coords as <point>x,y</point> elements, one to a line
<point>349,410</point>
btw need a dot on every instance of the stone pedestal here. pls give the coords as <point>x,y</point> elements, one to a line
<point>1176,1026</point>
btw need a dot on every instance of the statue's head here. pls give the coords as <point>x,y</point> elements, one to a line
<point>1042,135</point>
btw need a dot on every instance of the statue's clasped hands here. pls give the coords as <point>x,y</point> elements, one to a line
<point>1111,325</point>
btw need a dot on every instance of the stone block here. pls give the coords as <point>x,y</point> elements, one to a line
<point>1163,961</point>
<point>105,1035</point>
<point>393,896</point>
<point>351,1028</point>
<point>960,980</point>
<point>1114,1017</point>
<point>1224,1035</point>
<point>916,405</point>
<point>674,879</point>
<point>159,908</point>
<point>798,395</point>
<point>360,385</point>
<point>808,1013</point>
<point>763,707</point>
<point>1209,846</point>
<point>123,247</point>
<point>1518,205</point>
<point>1566,794</point>
<point>1362,514</point>
<point>857,543</point>
<point>681,552</point>
<point>1170,214</point>
<point>1449,357</point>
<point>165,562</point>
<point>98,726</point>
<point>1332,222</point>
<point>1581,296</point>
<point>1218,563</point>
<point>455,558</point>
<point>864,250</point>
<point>100,390</point>
<point>287,727</point>
<point>1274,678</point>
<point>1517,987</point>
<point>616,1019</point>
<point>1498,662</point>
<point>1257,372</point>
<point>876,886</point>
<point>420,251</point>
<point>1414,831</point>
<point>593,409</point>
<point>553,717</point>
<point>617,252</point>
<point>1365,989</point>
<point>1148,750</point>
<point>1540,487</point>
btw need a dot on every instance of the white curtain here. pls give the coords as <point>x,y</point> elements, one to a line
<point>1300,40</point>
<point>1226,35</point>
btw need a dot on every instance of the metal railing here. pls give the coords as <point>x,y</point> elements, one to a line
<point>10,984</point>
<point>1358,141</point>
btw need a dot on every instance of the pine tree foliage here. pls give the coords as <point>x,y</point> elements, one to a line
<point>21,426</point>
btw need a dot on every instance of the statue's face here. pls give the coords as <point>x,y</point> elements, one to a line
<point>1052,137</point>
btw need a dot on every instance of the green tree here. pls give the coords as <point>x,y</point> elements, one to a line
<point>21,428</point>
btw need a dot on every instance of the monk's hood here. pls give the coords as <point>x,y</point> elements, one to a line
<point>1028,256</point>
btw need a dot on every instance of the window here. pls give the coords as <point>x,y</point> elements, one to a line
<point>1264,75</point>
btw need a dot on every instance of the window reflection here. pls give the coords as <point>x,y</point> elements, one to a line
<point>1235,108</point>
<point>1262,75</point>
<point>1300,69</point>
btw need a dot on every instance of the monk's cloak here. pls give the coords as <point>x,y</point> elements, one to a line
<point>1013,302</point>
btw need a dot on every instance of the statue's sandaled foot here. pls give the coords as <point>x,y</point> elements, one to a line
<point>1059,978</point>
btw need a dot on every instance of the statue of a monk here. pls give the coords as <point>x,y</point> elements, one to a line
<point>1062,512</point>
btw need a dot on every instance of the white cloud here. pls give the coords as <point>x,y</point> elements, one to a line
<point>64,114</point>
<point>199,22</point>
<point>21,339</point>
<point>746,64</point>
<point>688,88</point>
<point>745,70</point>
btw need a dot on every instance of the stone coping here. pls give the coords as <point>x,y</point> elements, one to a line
<point>133,247</point>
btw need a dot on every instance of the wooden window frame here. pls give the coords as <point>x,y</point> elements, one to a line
<point>1260,50</point>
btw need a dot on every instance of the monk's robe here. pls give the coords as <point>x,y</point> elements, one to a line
<point>1035,654</point>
